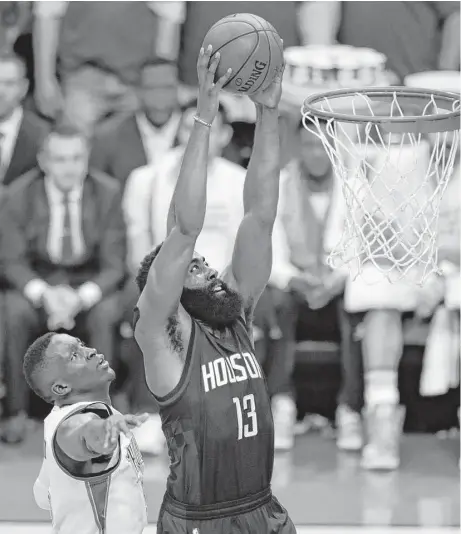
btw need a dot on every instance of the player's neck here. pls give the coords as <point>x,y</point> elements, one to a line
<point>101,395</point>
<point>216,332</point>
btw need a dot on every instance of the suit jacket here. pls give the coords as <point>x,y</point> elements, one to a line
<point>24,157</point>
<point>119,151</point>
<point>24,231</point>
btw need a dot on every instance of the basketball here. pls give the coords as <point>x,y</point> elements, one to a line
<point>251,47</point>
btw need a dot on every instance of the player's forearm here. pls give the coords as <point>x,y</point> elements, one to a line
<point>189,198</point>
<point>85,441</point>
<point>319,22</point>
<point>46,37</point>
<point>261,190</point>
<point>449,57</point>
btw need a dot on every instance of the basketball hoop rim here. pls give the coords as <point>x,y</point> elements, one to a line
<point>410,124</point>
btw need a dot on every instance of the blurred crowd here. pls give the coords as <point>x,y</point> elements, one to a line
<point>96,104</point>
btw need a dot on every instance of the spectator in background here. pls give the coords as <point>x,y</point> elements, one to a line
<point>14,19</point>
<point>146,203</point>
<point>101,48</point>
<point>21,133</point>
<point>395,296</point>
<point>63,250</point>
<point>414,36</point>
<point>307,294</point>
<point>148,134</point>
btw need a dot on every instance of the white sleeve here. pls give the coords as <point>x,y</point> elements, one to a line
<point>41,488</point>
<point>137,206</point>
<point>47,9</point>
<point>173,11</point>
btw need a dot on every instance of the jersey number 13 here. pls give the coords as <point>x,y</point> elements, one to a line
<point>247,419</point>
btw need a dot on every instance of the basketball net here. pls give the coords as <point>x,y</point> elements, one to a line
<point>392,185</point>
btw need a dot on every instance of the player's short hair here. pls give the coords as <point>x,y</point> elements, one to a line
<point>222,110</point>
<point>143,271</point>
<point>35,363</point>
<point>65,129</point>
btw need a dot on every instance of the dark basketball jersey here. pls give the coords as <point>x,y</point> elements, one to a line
<point>218,421</point>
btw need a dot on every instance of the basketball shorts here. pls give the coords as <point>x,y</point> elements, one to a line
<point>259,514</point>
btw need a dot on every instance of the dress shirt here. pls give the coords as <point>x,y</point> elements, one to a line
<point>9,130</point>
<point>157,141</point>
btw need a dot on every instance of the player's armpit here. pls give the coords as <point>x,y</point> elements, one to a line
<point>82,436</point>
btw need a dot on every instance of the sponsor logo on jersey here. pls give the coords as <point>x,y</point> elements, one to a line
<point>230,369</point>
<point>258,69</point>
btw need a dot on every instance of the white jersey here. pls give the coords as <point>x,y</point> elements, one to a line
<point>109,501</point>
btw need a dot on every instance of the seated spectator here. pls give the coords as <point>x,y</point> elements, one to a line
<point>101,48</point>
<point>384,300</point>
<point>146,204</point>
<point>146,136</point>
<point>308,294</point>
<point>414,36</point>
<point>63,251</point>
<point>21,133</point>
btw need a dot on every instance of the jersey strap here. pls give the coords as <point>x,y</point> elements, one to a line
<point>98,493</point>
<point>97,484</point>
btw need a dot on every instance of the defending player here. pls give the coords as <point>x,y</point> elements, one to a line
<point>194,330</point>
<point>91,476</point>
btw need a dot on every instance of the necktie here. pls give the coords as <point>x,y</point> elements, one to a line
<point>67,252</point>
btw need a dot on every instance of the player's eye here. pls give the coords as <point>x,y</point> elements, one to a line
<point>194,268</point>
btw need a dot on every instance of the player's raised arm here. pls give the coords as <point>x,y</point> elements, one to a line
<point>168,271</point>
<point>86,436</point>
<point>252,257</point>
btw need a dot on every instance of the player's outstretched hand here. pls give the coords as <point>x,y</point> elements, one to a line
<point>270,97</point>
<point>121,424</point>
<point>208,97</point>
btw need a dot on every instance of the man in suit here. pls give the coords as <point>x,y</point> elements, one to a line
<point>145,137</point>
<point>21,133</point>
<point>63,249</point>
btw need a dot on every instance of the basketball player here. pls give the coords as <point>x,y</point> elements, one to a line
<point>91,476</point>
<point>194,330</point>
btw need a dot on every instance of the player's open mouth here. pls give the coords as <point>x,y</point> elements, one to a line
<point>103,364</point>
<point>218,288</point>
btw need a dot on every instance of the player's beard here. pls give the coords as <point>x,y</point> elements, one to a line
<point>217,310</point>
